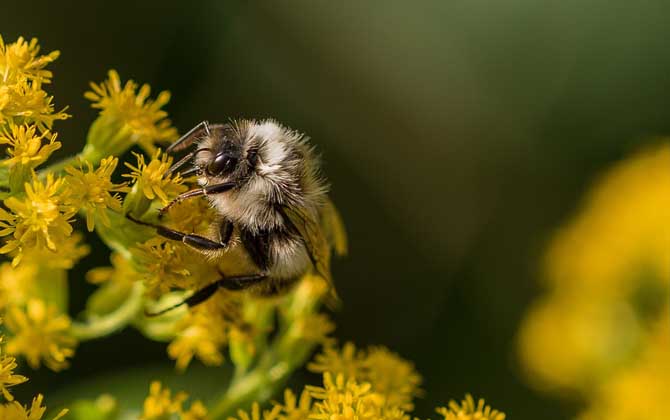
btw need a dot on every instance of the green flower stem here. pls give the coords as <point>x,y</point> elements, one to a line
<point>263,381</point>
<point>114,321</point>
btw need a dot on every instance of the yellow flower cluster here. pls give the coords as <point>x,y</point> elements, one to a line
<point>22,74</point>
<point>161,405</point>
<point>607,274</point>
<point>362,385</point>
<point>11,409</point>
<point>468,410</point>
<point>392,377</point>
<point>135,118</point>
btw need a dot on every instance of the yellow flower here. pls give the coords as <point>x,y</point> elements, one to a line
<point>621,233</point>
<point>40,334</point>
<point>17,284</point>
<point>203,333</point>
<point>467,410</point>
<point>15,411</point>
<point>91,190</point>
<point>640,391</point>
<point>145,118</point>
<point>161,405</point>
<point>293,408</point>
<point>26,147</point>
<point>391,377</point>
<point>347,361</point>
<point>22,73</point>
<point>608,275</point>
<point>595,338</point>
<point>150,178</point>
<point>21,58</point>
<point>162,266</point>
<point>70,250</point>
<point>39,220</point>
<point>7,376</point>
<point>256,414</point>
<point>341,399</point>
<point>26,102</point>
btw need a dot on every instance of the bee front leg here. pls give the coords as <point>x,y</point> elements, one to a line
<point>210,189</point>
<point>195,241</point>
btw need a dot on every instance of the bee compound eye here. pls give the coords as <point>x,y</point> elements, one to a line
<point>222,164</point>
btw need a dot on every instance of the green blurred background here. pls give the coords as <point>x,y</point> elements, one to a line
<point>456,135</point>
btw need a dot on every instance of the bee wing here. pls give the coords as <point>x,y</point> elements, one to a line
<point>317,243</point>
<point>333,228</point>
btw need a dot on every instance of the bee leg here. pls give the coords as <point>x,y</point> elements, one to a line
<point>228,283</point>
<point>196,241</point>
<point>210,189</point>
<point>240,282</point>
<point>187,139</point>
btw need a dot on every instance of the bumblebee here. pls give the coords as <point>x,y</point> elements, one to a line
<point>263,180</point>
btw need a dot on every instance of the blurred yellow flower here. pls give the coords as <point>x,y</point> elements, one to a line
<point>608,278</point>
<point>41,219</point>
<point>161,405</point>
<point>91,190</point>
<point>467,410</point>
<point>7,376</point>
<point>145,118</point>
<point>621,232</point>
<point>17,284</point>
<point>40,334</point>
<point>70,250</point>
<point>150,178</point>
<point>15,411</point>
<point>26,147</point>
<point>640,391</point>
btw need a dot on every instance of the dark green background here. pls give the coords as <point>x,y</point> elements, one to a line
<point>456,136</point>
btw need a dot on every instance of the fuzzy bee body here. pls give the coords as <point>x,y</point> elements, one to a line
<point>263,181</point>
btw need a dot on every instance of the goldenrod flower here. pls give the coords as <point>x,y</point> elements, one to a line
<point>639,391</point>
<point>21,58</point>
<point>608,273</point>
<point>151,180</point>
<point>22,73</point>
<point>91,190</point>
<point>392,377</point>
<point>294,408</point>
<point>341,399</point>
<point>161,405</point>
<point>15,411</point>
<point>121,271</point>
<point>347,361</point>
<point>41,219</point>
<point>70,250</point>
<point>17,284</point>
<point>162,266</point>
<point>7,376</point>
<point>146,121</point>
<point>257,414</point>
<point>202,333</point>
<point>40,334</point>
<point>467,410</point>
<point>26,147</point>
